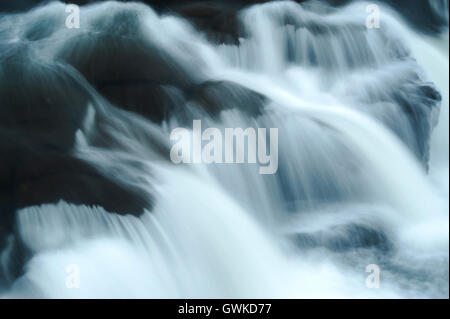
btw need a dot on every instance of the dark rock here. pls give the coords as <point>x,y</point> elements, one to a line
<point>147,99</point>
<point>219,21</point>
<point>18,5</point>
<point>407,105</point>
<point>32,175</point>
<point>105,59</point>
<point>116,51</point>
<point>216,96</point>
<point>42,105</point>
<point>420,101</point>
<point>126,67</point>
<point>48,178</point>
<point>14,254</point>
<point>43,102</point>
<point>345,237</point>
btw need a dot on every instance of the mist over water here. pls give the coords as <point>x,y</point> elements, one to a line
<point>363,157</point>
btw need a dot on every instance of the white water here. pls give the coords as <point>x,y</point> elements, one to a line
<point>225,231</point>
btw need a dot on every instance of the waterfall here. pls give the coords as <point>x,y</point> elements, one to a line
<point>362,179</point>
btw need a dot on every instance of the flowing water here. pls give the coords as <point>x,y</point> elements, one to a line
<point>360,180</point>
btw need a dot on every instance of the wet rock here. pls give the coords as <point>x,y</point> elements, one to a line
<point>346,237</point>
<point>152,101</point>
<point>407,105</point>
<point>421,103</point>
<point>13,254</point>
<point>219,21</point>
<point>126,66</point>
<point>32,175</point>
<point>216,96</point>
<point>42,106</point>
<point>106,59</point>
<point>42,101</point>
<point>18,5</point>
<point>48,178</point>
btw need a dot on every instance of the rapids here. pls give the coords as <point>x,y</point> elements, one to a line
<point>362,118</point>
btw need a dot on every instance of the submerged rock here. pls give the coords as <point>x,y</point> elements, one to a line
<point>216,96</point>
<point>345,237</point>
